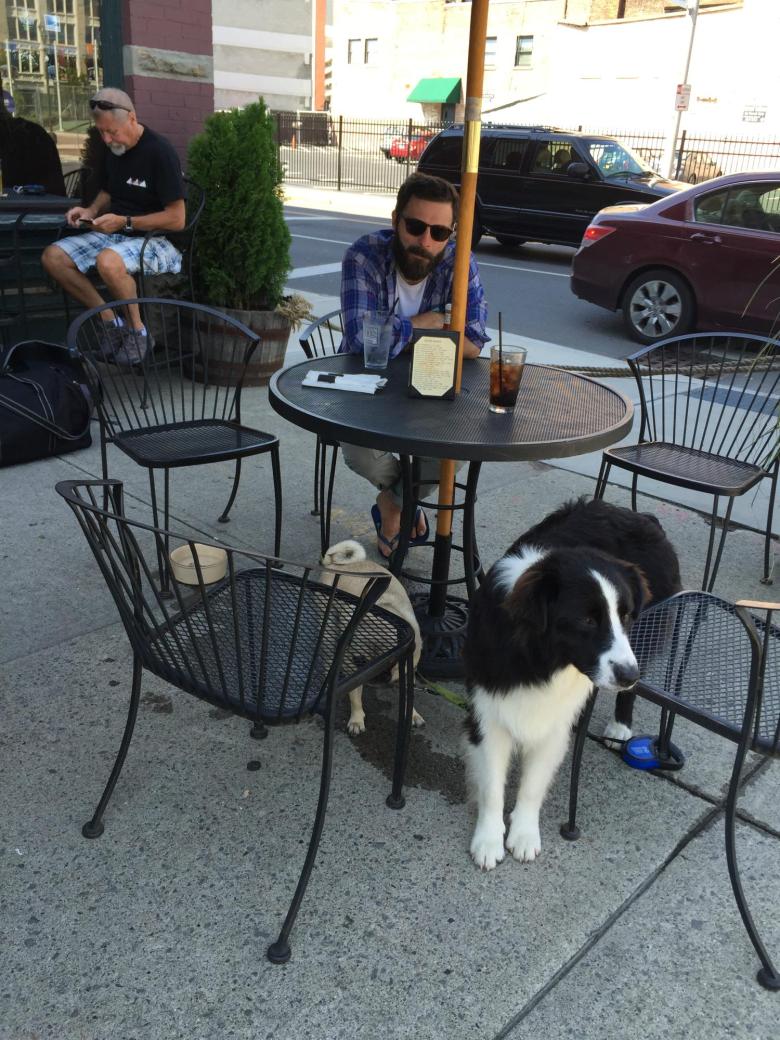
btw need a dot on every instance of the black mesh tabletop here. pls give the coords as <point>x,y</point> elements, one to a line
<point>557,413</point>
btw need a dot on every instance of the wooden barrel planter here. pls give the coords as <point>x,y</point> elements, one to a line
<point>224,361</point>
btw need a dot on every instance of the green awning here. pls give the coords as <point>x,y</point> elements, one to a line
<point>437,91</point>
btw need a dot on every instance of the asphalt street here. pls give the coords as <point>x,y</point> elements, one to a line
<point>529,285</point>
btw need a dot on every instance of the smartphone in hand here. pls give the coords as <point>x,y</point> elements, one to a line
<point>85,222</point>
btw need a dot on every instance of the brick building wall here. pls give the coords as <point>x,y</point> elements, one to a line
<point>168,66</point>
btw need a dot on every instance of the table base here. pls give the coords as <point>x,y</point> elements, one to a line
<point>443,637</point>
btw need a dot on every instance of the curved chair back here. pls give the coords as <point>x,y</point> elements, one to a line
<point>195,372</point>
<point>323,336</point>
<point>264,641</point>
<point>184,240</point>
<point>711,392</point>
<point>72,181</point>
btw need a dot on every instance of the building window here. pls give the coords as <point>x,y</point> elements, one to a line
<point>46,40</point>
<point>490,51</point>
<point>353,51</point>
<point>524,49</point>
<point>370,51</point>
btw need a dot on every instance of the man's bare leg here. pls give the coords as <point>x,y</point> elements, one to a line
<point>59,266</point>
<point>112,270</point>
<point>390,512</point>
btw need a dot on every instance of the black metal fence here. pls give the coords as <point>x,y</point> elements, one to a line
<point>377,155</point>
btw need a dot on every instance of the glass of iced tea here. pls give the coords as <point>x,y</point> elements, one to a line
<point>506,371</point>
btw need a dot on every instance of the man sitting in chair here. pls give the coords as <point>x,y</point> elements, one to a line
<point>407,270</point>
<point>142,190</point>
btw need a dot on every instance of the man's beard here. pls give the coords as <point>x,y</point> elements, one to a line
<point>118,149</point>
<point>414,262</point>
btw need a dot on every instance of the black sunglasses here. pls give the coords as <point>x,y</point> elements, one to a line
<point>105,106</point>
<point>415,227</point>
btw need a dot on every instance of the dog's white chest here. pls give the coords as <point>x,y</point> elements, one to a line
<point>531,713</point>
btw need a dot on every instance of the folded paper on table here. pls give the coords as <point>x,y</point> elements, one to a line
<point>359,383</point>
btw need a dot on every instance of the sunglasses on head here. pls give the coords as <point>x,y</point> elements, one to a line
<point>415,227</point>
<point>105,106</point>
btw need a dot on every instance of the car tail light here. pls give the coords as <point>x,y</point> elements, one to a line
<point>595,232</point>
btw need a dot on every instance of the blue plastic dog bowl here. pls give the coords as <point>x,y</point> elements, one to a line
<point>642,753</point>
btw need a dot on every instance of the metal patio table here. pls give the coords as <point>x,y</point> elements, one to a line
<point>558,414</point>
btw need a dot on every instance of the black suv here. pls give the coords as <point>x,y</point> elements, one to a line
<point>542,183</point>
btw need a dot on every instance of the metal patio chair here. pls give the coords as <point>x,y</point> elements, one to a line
<point>13,312</point>
<point>182,405</point>
<point>717,665</point>
<point>709,422</point>
<point>184,240</point>
<point>72,181</point>
<point>269,642</point>
<point>320,339</point>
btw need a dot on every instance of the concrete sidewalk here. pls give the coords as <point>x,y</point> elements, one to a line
<point>158,930</point>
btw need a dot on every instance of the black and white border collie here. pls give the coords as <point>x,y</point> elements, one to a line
<point>548,625</point>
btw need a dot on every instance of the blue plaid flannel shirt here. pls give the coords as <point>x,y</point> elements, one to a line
<point>368,282</point>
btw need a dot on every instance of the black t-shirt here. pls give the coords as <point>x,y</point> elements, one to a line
<point>145,179</point>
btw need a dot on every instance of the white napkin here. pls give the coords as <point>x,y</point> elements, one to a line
<point>359,382</point>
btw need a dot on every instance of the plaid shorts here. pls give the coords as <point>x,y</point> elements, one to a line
<point>160,255</point>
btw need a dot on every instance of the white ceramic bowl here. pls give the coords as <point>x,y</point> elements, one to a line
<point>213,564</point>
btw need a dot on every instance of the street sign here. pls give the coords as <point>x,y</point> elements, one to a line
<point>683,97</point>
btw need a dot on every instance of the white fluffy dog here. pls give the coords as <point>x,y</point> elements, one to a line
<point>350,556</point>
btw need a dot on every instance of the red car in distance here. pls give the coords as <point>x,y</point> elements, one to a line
<point>414,145</point>
<point>707,257</point>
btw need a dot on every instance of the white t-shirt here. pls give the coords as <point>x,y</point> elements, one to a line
<point>409,296</point>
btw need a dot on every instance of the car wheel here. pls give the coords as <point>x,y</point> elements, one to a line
<point>510,241</point>
<point>657,304</point>
<point>476,231</point>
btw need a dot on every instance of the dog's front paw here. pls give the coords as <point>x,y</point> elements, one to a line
<point>487,847</point>
<point>417,719</point>
<point>356,724</point>
<point>615,732</point>
<point>525,843</point>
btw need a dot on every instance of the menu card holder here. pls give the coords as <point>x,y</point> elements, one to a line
<point>434,360</point>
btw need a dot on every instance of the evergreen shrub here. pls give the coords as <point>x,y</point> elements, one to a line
<point>242,251</point>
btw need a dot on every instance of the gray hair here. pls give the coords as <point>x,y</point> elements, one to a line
<point>116,97</point>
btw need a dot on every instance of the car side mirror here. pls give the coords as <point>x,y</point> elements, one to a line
<point>579,170</point>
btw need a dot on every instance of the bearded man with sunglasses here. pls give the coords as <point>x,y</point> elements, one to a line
<point>141,190</point>
<point>408,271</point>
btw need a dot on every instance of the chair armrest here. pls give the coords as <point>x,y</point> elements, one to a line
<point>757,604</point>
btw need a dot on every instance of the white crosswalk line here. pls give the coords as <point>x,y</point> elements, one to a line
<point>311,272</point>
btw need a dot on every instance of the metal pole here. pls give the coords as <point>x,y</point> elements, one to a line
<point>460,279</point>
<point>338,155</point>
<point>693,11</point>
<point>57,81</point>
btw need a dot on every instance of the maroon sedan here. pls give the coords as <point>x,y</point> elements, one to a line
<point>707,257</point>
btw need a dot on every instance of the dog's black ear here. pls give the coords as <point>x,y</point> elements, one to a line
<point>639,586</point>
<point>529,600</point>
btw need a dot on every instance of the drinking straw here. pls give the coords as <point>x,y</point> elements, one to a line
<point>500,356</point>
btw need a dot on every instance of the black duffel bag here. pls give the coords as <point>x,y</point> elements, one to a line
<point>44,403</point>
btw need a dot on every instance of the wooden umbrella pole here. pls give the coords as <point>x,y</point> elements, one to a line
<point>468,193</point>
